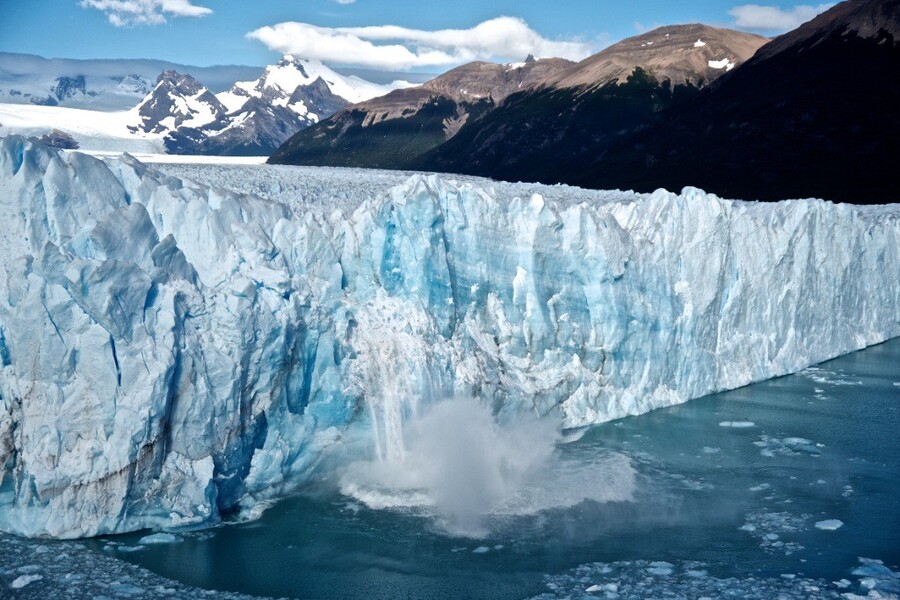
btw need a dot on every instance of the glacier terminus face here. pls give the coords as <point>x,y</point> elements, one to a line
<point>174,352</point>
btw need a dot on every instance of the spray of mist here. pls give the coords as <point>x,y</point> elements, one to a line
<point>464,467</point>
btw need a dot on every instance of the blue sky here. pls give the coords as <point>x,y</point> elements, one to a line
<point>205,32</point>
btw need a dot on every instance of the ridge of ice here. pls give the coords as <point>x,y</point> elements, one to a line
<point>170,352</point>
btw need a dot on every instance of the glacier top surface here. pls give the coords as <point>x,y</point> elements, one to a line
<point>325,189</point>
<point>322,190</point>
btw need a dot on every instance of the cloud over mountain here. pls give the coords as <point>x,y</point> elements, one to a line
<point>394,47</point>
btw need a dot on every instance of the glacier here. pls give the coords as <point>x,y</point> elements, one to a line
<point>174,352</point>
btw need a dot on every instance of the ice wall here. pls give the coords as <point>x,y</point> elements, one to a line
<point>171,353</point>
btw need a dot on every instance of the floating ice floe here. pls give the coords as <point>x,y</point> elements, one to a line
<point>23,580</point>
<point>789,446</point>
<point>160,538</point>
<point>737,424</point>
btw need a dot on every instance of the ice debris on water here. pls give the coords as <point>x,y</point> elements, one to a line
<point>215,344</point>
<point>737,424</point>
<point>789,446</point>
<point>638,580</point>
<point>878,578</point>
<point>71,570</point>
<point>823,376</point>
<point>660,568</point>
<point>769,528</point>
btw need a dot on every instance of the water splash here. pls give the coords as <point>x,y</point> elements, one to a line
<point>465,468</point>
<point>453,459</point>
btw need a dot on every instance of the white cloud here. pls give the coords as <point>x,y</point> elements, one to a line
<point>345,1</point>
<point>773,18</point>
<point>398,48</point>
<point>125,13</point>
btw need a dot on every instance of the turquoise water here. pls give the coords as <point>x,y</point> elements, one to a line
<point>709,503</point>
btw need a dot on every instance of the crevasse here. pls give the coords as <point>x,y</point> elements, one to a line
<point>172,353</point>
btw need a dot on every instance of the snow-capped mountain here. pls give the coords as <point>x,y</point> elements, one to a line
<point>253,117</point>
<point>279,81</point>
<point>256,128</point>
<point>176,101</point>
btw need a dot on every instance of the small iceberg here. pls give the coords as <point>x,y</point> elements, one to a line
<point>159,538</point>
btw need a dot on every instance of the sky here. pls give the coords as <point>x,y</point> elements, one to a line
<point>421,36</point>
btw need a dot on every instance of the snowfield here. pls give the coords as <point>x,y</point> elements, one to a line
<point>93,130</point>
<point>172,351</point>
<point>182,159</point>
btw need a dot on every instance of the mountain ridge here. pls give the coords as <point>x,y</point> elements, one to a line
<point>681,53</point>
<point>811,114</point>
<point>251,118</point>
<point>404,124</point>
<point>563,93</point>
<point>176,100</point>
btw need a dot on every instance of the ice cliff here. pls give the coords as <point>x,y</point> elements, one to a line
<point>172,352</point>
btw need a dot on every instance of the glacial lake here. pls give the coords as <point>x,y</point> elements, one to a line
<point>727,491</point>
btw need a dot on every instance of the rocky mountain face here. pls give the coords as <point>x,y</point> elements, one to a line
<point>545,132</point>
<point>509,120</point>
<point>255,129</point>
<point>176,101</point>
<point>401,126</point>
<point>57,139</point>
<point>68,87</point>
<point>317,97</point>
<point>682,54</point>
<point>813,113</point>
